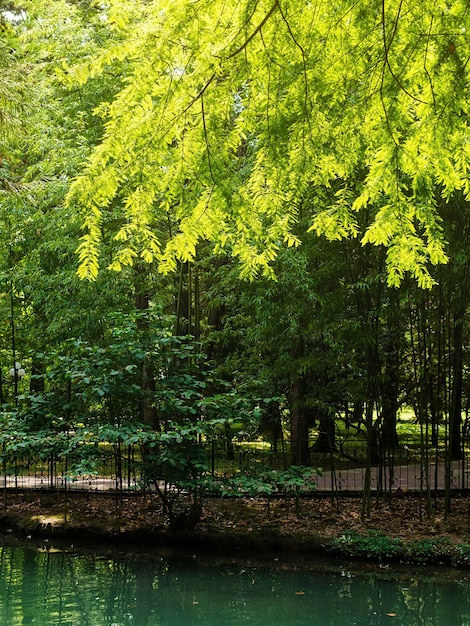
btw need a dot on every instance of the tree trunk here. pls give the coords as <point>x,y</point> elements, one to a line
<point>148,412</point>
<point>455,411</point>
<point>389,387</point>
<point>270,426</point>
<point>36,383</point>
<point>366,495</point>
<point>326,441</point>
<point>300,454</point>
<point>183,303</point>
<point>388,434</point>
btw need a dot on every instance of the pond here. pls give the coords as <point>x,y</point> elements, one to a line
<point>44,585</point>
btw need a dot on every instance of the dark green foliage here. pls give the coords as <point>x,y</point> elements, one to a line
<point>372,545</point>
<point>377,546</point>
<point>427,550</point>
<point>461,556</point>
<point>266,483</point>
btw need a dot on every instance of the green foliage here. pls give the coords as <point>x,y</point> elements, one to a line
<point>19,443</point>
<point>189,130</point>
<point>88,383</point>
<point>176,457</point>
<point>427,550</point>
<point>372,545</point>
<point>461,555</point>
<point>258,482</point>
<point>378,546</point>
<point>366,106</point>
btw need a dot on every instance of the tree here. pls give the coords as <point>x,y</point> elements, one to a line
<point>12,86</point>
<point>229,116</point>
<point>245,131</point>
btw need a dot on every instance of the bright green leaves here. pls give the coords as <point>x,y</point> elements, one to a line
<point>414,137</point>
<point>171,145</point>
<point>338,221</point>
<point>234,119</point>
<point>88,250</point>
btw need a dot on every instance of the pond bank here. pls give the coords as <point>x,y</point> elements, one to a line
<point>397,530</point>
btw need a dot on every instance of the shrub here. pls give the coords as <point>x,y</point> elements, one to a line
<point>461,555</point>
<point>426,550</point>
<point>372,545</point>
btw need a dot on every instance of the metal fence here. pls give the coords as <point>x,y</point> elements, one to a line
<point>405,468</point>
<point>338,472</point>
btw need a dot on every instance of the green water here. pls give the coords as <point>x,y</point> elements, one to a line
<point>66,588</point>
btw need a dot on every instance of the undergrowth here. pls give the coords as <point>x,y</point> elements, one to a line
<point>377,546</point>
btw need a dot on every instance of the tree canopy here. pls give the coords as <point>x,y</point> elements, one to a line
<point>234,118</point>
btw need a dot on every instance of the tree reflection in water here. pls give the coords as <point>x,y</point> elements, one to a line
<point>57,588</point>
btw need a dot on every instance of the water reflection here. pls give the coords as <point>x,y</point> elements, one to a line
<point>56,588</point>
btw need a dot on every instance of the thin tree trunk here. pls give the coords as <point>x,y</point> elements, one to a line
<point>366,496</point>
<point>300,454</point>
<point>148,411</point>
<point>455,412</point>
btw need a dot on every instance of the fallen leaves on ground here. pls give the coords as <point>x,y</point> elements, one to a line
<point>403,517</point>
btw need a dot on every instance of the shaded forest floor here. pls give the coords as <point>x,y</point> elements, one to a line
<point>237,524</point>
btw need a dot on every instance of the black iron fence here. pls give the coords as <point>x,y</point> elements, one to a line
<point>406,468</point>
